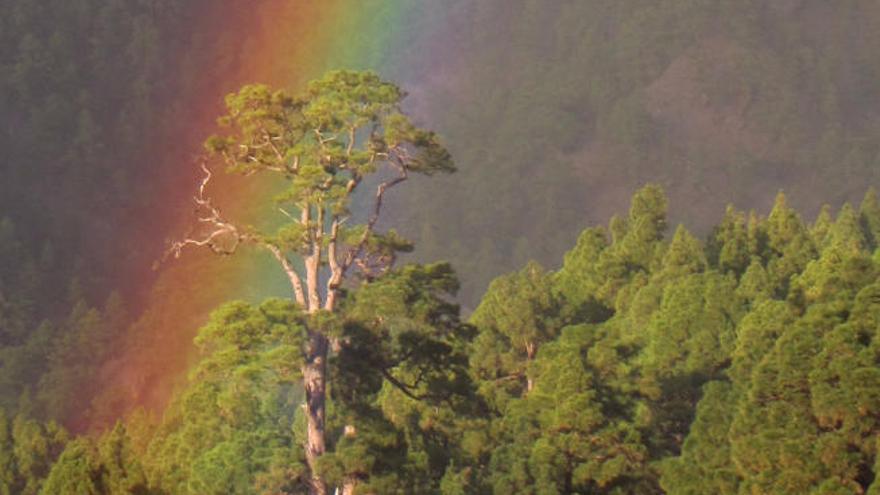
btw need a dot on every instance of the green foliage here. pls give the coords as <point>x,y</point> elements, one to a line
<point>518,314</point>
<point>105,465</point>
<point>789,246</point>
<point>229,430</point>
<point>73,473</point>
<point>575,281</point>
<point>28,450</point>
<point>401,380</point>
<point>560,438</point>
<point>729,244</point>
<point>325,142</point>
<point>747,364</point>
<point>869,213</point>
<point>741,366</point>
<point>83,342</point>
<point>704,465</point>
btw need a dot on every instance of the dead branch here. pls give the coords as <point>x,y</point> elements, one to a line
<point>220,228</point>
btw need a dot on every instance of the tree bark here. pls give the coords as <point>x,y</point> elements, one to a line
<point>531,351</point>
<point>315,385</point>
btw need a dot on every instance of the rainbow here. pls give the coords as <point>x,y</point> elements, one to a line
<point>283,43</point>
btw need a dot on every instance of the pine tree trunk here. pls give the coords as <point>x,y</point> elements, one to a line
<point>351,480</point>
<point>531,351</point>
<point>315,385</point>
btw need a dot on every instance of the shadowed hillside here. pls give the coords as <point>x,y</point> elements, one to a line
<point>557,111</point>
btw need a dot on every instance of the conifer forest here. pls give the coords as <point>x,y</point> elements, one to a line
<point>440,247</point>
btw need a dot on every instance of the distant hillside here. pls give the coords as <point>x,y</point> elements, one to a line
<point>557,111</point>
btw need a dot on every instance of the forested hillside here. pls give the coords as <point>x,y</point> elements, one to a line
<point>651,362</point>
<point>81,97</point>
<point>91,108</point>
<point>738,355</point>
<point>558,110</point>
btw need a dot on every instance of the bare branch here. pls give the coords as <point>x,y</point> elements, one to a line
<point>286,168</point>
<point>323,140</point>
<point>268,138</point>
<point>404,388</point>
<point>220,228</point>
<point>351,137</point>
<point>223,229</point>
<point>292,276</point>
<point>337,272</point>
<point>408,389</point>
<point>374,266</point>
<point>332,242</point>
<point>356,251</point>
<point>288,215</point>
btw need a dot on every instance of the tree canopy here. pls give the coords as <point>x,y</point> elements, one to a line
<point>344,131</point>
